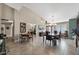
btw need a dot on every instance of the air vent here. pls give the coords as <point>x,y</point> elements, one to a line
<point>4,19</point>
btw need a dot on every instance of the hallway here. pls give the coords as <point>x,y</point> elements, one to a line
<point>64,47</point>
<point>21,21</point>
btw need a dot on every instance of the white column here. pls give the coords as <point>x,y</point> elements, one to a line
<point>37,32</point>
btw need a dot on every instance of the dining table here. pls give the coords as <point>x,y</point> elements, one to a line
<point>54,38</point>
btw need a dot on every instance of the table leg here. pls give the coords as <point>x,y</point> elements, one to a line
<point>50,42</point>
<point>54,42</point>
<point>43,40</point>
<point>76,42</point>
<point>32,38</point>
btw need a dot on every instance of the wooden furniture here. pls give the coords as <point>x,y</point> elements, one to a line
<point>49,38</point>
<point>52,37</point>
<point>55,38</point>
<point>24,36</point>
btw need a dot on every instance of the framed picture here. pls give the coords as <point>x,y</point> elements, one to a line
<point>22,27</point>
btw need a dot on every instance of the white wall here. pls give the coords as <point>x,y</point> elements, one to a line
<point>23,15</point>
<point>27,16</point>
<point>0,18</point>
<point>64,26</point>
<point>7,13</point>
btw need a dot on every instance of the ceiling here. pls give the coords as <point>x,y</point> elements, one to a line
<point>52,12</point>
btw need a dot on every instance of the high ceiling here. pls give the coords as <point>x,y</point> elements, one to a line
<point>52,12</point>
